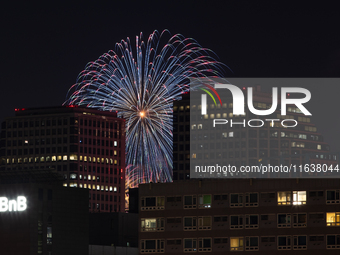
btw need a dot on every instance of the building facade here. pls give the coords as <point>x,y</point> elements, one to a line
<point>266,216</point>
<point>196,141</point>
<point>40,216</point>
<point>85,146</point>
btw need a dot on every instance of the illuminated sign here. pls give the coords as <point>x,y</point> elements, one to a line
<point>13,205</point>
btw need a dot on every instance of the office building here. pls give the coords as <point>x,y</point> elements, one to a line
<point>196,141</point>
<point>85,146</point>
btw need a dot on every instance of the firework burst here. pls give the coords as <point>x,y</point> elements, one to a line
<point>141,85</point>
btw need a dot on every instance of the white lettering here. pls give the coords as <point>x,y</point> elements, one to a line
<point>13,205</point>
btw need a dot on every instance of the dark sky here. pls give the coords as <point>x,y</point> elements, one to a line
<point>45,44</point>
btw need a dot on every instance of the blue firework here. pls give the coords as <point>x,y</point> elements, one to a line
<point>141,84</point>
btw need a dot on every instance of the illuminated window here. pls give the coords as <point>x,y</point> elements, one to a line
<point>73,157</point>
<point>252,243</point>
<point>49,235</point>
<point>318,147</point>
<point>284,198</point>
<point>59,158</point>
<point>236,243</point>
<point>190,244</point>
<point>114,189</point>
<point>65,158</point>
<point>204,223</point>
<point>230,115</point>
<point>93,186</point>
<point>299,197</point>
<point>115,143</point>
<point>194,155</point>
<point>212,116</point>
<point>204,201</point>
<point>73,176</point>
<point>200,126</point>
<point>224,135</point>
<point>218,115</point>
<point>333,219</point>
<point>206,116</point>
<point>115,153</point>
<point>85,185</point>
<point>231,134</point>
<point>80,185</point>
<point>152,224</point>
<point>189,223</point>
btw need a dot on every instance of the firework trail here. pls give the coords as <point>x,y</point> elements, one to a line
<point>141,85</point>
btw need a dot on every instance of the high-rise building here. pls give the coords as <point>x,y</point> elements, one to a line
<point>239,146</point>
<point>40,216</point>
<point>85,146</point>
<point>222,216</point>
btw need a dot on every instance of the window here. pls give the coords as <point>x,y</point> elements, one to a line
<point>318,193</point>
<point>204,222</point>
<point>173,242</point>
<point>152,203</point>
<point>252,221</point>
<point>236,200</point>
<point>49,235</point>
<point>204,244</point>
<point>268,239</point>
<point>283,220</point>
<point>333,219</point>
<point>149,246</point>
<point>236,243</point>
<point>333,242</point>
<point>299,220</point>
<point>190,244</point>
<point>204,201</point>
<point>316,238</point>
<point>152,224</point>
<point>333,197</point>
<point>236,221</point>
<point>189,202</point>
<point>283,243</point>
<point>252,243</point>
<point>189,223</point>
<point>220,240</point>
<point>300,243</point>
<point>299,197</point>
<point>284,198</point>
<point>221,218</point>
<point>252,199</point>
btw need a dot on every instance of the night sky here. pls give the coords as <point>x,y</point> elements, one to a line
<point>44,45</point>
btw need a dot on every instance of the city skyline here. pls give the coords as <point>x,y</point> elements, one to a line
<point>44,49</point>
